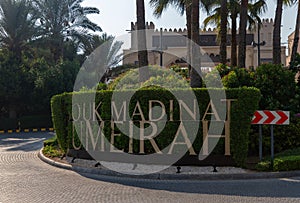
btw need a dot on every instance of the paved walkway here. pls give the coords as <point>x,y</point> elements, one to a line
<point>25,178</point>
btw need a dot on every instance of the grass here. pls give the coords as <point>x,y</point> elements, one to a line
<point>284,161</point>
<point>51,148</point>
<point>52,151</point>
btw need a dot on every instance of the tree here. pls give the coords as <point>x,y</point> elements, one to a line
<point>277,30</point>
<point>64,20</point>
<point>223,32</point>
<point>183,6</point>
<point>95,42</point>
<point>296,35</point>
<point>242,34</point>
<point>254,11</point>
<point>195,73</point>
<point>17,25</point>
<point>141,40</point>
<point>189,7</point>
<point>234,11</point>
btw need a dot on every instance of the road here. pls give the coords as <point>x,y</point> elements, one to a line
<point>25,178</point>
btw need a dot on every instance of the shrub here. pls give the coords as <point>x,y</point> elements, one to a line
<point>285,163</point>
<point>238,77</point>
<point>277,86</point>
<point>52,151</point>
<point>157,77</point>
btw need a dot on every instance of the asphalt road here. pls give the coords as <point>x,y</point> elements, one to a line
<point>25,178</point>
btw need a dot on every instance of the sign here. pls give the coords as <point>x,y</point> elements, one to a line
<point>271,117</point>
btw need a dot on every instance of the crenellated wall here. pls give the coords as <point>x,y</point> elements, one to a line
<point>208,42</point>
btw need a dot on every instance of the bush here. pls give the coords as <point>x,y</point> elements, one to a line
<point>285,163</point>
<point>238,77</point>
<point>157,77</point>
<point>240,117</point>
<point>277,86</point>
<point>51,142</point>
<point>38,121</point>
<point>8,123</point>
<point>52,151</point>
<point>285,137</point>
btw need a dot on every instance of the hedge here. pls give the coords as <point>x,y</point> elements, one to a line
<point>241,114</point>
<point>286,163</point>
<point>24,122</point>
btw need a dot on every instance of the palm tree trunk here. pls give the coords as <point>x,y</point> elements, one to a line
<point>188,13</point>
<point>277,33</point>
<point>242,34</point>
<point>195,76</point>
<point>141,41</point>
<point>223,32</point>
<point>233,40</point>
<point>296,35</point>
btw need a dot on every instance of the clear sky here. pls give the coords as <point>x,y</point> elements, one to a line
<point>115,16</point>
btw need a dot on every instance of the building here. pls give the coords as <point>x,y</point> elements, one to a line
<point>290,47</point>
<point>173,44</point>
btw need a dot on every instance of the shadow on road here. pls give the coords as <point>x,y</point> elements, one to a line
<point>247,188</point>
<point>23,141</point>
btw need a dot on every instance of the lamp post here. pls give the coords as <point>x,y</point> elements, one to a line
<point>258,44</point>
<point>160,49</point>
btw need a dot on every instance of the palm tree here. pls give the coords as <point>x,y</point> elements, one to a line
<point>233,6</point>
<point>223,32</point>
<point>141,40</point>
<point>103,55</point>
<point>190,7</point>
<point>17,25</point>
<point>219,18</point>
<point>277,30</point>
<point>183,6</point>
<point>195,73</point>
<point>64,20</point>
<point>234,11</point>
<point>242,34</point>
<point>296,35</point>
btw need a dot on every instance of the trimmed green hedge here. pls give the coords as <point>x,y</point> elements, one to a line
<point>241,114</point>
<point>24,122</point>
<point>286,163</point>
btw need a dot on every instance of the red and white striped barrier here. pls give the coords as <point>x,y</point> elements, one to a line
<point>271,117</point>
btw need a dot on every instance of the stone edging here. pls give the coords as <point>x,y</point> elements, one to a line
<point>163,176</point>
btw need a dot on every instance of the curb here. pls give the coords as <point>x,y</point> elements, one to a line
<point>175,176</point>
<point>53,163</point>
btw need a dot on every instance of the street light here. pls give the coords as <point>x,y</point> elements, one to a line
<point>160,49</point>
<point>258,44</point>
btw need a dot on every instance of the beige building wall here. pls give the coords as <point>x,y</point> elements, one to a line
<point>290,46</point>
<point>211,49</point>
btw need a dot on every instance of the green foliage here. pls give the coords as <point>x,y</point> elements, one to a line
<point>238,77</point>
<point>101,86</point>
<point>184,72</point>
<point>277,86</point>
<point>286,163</point>
<point>294,65</point>
<point>213,79</point>
<point>51,142</point>
<point>42,121</point>
<point>157,77</point>
<point>223,69</point>
<point>52,151</point>
<point>286,137</point>
<point>240,117</point>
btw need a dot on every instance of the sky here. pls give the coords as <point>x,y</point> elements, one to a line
<point>116,15</point>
